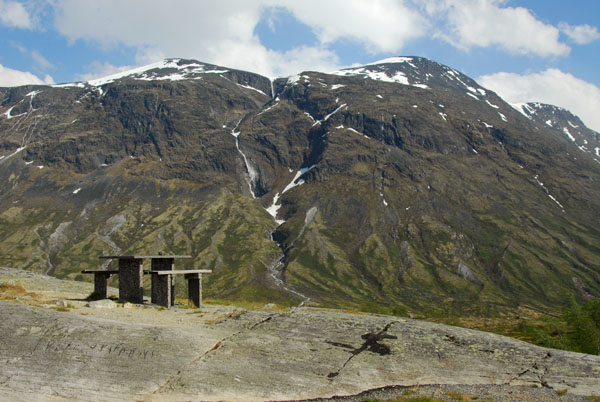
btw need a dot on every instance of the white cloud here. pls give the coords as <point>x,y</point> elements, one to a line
<point>580,34</point>
<point>223,32</point>
<point>14,14</point>
<point>215,32</point>
<point>40,60</point>
<point>22,49</point>
<point>15,78</point>
<point>550,86</point>
<point>380,25</point>
<point>485,23</point>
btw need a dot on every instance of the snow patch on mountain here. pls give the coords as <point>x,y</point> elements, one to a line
<point>398,59</point>
<point>334,112</point>
<point>273,209</point>
<point>268,108</point>
<point>252,88</point>
<point>492,105</point>
<point>524,109</point>
<point>566,131</point>
<point>7,113</point>
<point>536,177</point>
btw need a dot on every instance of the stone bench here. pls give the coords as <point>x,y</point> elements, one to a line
<point>100,281</point>
<point>163,289</point>
<point>131,273</point>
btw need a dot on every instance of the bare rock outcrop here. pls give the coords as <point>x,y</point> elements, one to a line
<point>229,353</point>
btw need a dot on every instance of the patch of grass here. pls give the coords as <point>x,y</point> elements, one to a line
<point>593,398</point>
<point>63,309</point>
<point>11,292</point>
<point>526,325</point>
<point>7,288</point>
<point>561,392</point>
<point>410,391</point>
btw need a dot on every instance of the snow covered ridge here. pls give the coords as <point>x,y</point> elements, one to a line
<point>168,69</point>
<point>416,71</point>
<point>562,120</point>
<point>378,72</point>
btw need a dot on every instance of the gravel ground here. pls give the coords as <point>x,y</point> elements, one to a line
<point>496,393</point>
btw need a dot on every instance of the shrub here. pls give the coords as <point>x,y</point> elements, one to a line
<point>585,322</point>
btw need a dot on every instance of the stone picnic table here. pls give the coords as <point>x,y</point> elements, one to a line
<point>161,270</point>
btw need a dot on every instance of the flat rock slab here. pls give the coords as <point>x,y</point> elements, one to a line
<point>258,355</point>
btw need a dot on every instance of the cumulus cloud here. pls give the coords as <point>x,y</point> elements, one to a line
<point>380,25</point>
<point>223,32</point>
<point>15,78</point>
<point>218,32</point>
<point>14,14</point>
<point>484,23</point>
<point>580,34</point>
<point>550,86</point>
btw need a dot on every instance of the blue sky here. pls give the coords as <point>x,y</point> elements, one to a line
<point>536,50</point>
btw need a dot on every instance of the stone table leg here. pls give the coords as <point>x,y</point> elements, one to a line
<point>162,290</point>
<point>100,284</point>
<point>130,280</point>
<point>165,264</point>
<point>194,288</point>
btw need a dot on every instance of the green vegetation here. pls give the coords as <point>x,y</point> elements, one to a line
<point>576,329</point>
<point>585,325</point>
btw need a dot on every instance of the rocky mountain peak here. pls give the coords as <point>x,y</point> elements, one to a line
<point>418,72</point>
<point>167,69</point>
<point>562,121</point>
<point>177,70</point>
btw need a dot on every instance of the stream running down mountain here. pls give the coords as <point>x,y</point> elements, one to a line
<point>251,177</point>
<point>276,269</point>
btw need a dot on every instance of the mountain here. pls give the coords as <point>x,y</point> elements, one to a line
<point>398,186</point>
<point>565,123</point>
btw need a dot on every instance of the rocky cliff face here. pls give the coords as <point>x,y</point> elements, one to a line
<point>401,185</point>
